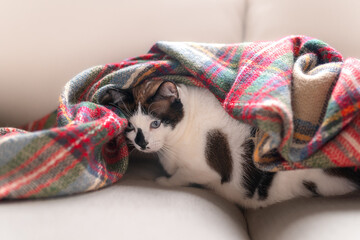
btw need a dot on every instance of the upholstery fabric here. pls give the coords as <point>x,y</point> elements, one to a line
<point>135,209</point>
<point>334,22</point>
<point>46,43</point>
<point>312,219</point>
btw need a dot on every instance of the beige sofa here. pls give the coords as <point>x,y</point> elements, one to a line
<point>44,43</point>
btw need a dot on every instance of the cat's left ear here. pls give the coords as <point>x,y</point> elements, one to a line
<point>117,97</point>
<point>167,90</point>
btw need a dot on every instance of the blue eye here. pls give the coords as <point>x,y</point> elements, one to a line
<point>155,124</point>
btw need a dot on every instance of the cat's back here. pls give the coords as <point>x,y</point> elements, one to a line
<point>201,103</point>
<point>202,107</point>
<point>204,116</point>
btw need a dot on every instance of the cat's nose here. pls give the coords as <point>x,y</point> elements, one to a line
<point>142,145</point>
<point>140,139</point>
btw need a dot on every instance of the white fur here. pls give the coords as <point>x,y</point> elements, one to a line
<point>182,153</point>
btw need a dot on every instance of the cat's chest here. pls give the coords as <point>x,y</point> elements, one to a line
<point>189,151</point>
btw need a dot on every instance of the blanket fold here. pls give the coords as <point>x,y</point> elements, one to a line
<point>299,92</point>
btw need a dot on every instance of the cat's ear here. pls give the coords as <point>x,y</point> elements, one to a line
<point>118,97</point>
<point>167,90</point>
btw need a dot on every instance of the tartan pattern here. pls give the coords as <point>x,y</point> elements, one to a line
<point>298,91</point>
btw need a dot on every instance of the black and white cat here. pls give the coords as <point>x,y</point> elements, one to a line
<point>198,142</point>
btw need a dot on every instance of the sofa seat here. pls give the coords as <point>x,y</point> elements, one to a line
<point>135,208</point>
<point>311,219</point>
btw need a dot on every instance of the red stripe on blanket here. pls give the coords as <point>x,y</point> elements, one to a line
<point>34,174</point>
<point>50,181</point>
<point>336,155</point>
<point>223,65</point>
<point>31,159</point>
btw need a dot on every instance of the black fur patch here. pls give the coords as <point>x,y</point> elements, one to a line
<point>174,114</point>
<point>253,178</point>
<point>264,185</point>
<point>311,187</point>
<point>218,154</point>
<point>140,139</point>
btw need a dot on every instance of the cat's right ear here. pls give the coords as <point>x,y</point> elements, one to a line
<point>167,90</point>
<point>121,98</point>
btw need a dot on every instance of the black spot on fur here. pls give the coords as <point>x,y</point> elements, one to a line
<point>264,185</point>
<point>253,178</point>
<point>174,115</point>
<point>140,139</point>
<point>311,187</point>
<point>218,154</point>
<point>253,132</point>
<point>348,173</point>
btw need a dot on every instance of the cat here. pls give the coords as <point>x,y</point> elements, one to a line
<point>199,143</point>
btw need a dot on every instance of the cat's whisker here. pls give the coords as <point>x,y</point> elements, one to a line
<point>150,105</point>
<point>167,150</point>
<point>160,154</point>
<point>127,111</point>
<point>132,151</point>
<point>142,108</point>
<point>153,110</point>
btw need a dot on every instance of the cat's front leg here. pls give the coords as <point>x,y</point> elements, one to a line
<point>179,178</point>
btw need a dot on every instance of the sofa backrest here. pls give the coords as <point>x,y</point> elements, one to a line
<point>45,43</point>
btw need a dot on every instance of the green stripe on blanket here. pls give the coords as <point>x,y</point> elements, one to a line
<point>298,91</point>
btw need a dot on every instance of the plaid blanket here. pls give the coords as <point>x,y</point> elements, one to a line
<point>298,91</point>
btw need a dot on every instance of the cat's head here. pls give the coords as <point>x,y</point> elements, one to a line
<point>153,109</point>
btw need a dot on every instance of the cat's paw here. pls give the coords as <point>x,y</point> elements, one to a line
<point>163,181</point>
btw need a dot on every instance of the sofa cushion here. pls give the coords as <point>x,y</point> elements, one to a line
<point>310,219</point>
<point>332,21</point>
<point>135,208</point>
<point>45,43</point>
